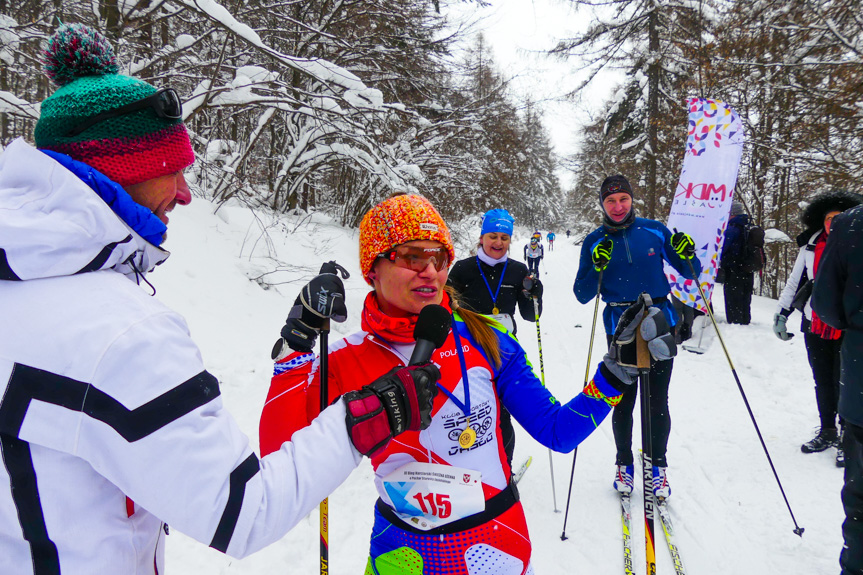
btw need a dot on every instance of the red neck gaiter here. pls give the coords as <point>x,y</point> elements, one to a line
<point>391,329</point>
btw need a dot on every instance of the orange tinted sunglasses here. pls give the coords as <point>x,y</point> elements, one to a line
<point>417,258</point>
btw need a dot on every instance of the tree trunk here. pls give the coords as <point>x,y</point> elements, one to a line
<point>653,71</point>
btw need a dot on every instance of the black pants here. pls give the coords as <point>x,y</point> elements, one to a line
<point>738,296</point>
<point>533,265</point>
<point>824,361</point>
<point>660,418</point>
<point>507,434</point>
<point>851,557</point>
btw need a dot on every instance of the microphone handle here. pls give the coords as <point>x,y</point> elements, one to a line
<point>422,352</point>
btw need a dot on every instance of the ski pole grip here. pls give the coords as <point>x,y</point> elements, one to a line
<point>642,353</point>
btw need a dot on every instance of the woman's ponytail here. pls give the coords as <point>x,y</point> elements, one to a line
<point>479,326</point>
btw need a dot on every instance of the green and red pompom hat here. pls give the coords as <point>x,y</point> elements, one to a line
<point>129,149</point>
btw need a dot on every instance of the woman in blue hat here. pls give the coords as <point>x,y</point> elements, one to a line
<point>492,283</point>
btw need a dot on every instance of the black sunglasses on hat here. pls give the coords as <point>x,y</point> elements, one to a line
<point>165,103</point>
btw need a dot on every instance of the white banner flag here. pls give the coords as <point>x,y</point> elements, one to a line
<point>703,196</point>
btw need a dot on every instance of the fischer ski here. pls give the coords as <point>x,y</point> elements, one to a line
<point>516,477</point>
<point>668,528</point>
<point>626,517</point>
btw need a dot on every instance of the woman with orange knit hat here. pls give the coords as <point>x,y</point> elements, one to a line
<point>447,502</point>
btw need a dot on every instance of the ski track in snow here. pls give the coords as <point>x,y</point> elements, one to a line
<point>728,513</point>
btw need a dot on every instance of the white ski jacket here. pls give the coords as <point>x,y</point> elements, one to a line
<point>802,266</point>
<point>109,424</point>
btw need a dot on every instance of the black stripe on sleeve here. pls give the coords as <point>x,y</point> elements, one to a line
<point>25,495</point>
<point>6,272</point>
<point>103,256</point>
<point>28,384</point>
<point>239,477</point>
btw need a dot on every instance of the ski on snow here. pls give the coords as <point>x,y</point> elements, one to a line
<point>626,516</point>
<point>516,477</point>
<point>668,529</point>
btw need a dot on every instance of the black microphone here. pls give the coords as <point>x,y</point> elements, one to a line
<point>430,332</point>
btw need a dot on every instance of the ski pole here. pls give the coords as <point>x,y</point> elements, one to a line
<point>542,372</point>
<point>643,364</point>
<point>797,529</point>
<point>586,378</point>
<point>325,507</point>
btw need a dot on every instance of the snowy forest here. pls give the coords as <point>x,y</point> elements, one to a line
<point>332,105</point>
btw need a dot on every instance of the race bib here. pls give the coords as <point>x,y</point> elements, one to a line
<point>505,319</point>
<point>428,495</point>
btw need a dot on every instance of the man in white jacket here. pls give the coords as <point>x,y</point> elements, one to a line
<point>110,426</point>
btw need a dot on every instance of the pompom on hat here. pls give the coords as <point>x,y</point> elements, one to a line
<point>397,220</point>
<point>130,148</point>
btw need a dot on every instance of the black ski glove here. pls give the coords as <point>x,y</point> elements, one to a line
<point>321,299</point>
<point>398,401</point>
<point>532,287</point>
<point>601,254</point>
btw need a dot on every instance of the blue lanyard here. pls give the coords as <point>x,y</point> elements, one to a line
<point>499,283</point>
<point>465,407</point>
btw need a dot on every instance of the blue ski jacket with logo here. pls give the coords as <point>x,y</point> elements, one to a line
<point>636,266</point>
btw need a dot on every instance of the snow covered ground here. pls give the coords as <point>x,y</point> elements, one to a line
<point>729,514</point>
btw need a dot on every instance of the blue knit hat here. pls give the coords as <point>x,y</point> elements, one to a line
<point>497,221</point>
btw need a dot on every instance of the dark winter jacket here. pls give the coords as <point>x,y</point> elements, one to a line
<point>733,249</point>
<point>467,278</point>
<point>838,299</point>
<point>636,266</point>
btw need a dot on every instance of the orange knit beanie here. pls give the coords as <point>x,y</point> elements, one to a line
<point>397,220</point>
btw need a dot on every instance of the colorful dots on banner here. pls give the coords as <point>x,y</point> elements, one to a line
<point>708,117</point>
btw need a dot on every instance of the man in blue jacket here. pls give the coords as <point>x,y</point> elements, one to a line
<point>837,298</point>
<point>622,259</point>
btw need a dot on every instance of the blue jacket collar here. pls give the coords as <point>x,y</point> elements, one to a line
<point>136,216</point>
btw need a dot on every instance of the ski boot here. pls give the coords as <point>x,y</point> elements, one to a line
<point>826,438</point>
<point>623,479</point>
<point>661,488</point>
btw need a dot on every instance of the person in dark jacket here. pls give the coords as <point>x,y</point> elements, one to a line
<point>738,284</point>
<point>492,283</point>
<point>823,343</point>
<point>838,299</point>
<point>629,253</point>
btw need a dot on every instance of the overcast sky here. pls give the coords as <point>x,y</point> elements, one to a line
<point>519,31</point>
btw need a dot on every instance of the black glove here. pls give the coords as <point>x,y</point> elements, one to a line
<point>601,254</point>
<point>399,401</point>
<point>531,287</point>
<point>321,299</point>
<point>683,244</point>
<point>621,359</point>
